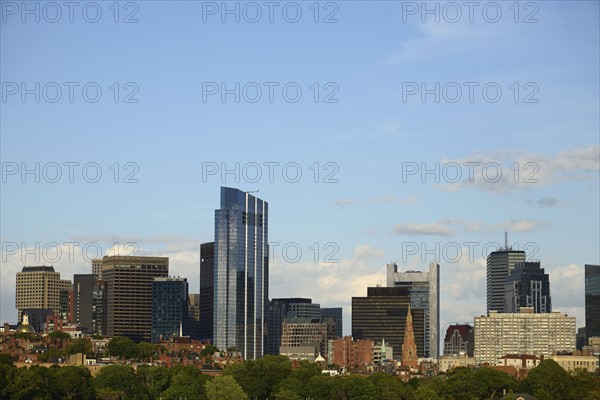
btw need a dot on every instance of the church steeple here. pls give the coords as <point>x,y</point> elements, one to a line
<point>409,347</point>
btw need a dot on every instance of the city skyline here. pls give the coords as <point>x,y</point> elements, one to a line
<point>375,163</point>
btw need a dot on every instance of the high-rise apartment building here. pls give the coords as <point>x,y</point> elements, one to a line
<point>335,313</point>
<point>277,311</point>
<point>527,286</point>
<point>592,301</point>
<point>39,287</point>
<point>424,292</point>
<point>241,277</point>
<point>500,263</point>
<point>169,308</point>
<point>382,315</point>
<point>459,339</point>
<point>499,334</point>
<point>129,294</point>
<point>207,290</point>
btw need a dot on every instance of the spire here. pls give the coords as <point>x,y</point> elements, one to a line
<point>409,347</point>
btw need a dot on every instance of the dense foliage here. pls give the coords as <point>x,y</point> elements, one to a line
<point>273,377</point>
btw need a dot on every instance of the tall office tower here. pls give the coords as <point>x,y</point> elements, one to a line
<point>382,315</point>
<point>592,301</point>
<point>194,316</point>
<point>277,310</point>
<point>66,308</point>
<point>424,291</point>
<point>527,286</point>
<point>459,339</point>
<point>207,287</point>
<point>241,273</point>
<point>169,308</point>
<point>99,299</point>
<point>526,332</point>
<point>129,294</point>
<point>301,331</point>
<point>409,347</point>
<point>304,310</point>
<point>39,287</point>
<point>97,268</point>
<point>83,297</point>
<point>500,263</point>
<point>335,313</point>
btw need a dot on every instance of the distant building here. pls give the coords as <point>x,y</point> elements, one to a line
<point>277,311</point>
<point>97,268</point>
<point>581,338</point>
<point>241,273</point>
<point>207,289</point>
<point>448,362</point>
<point>571,363</point>
<point>335,313</point>
<point>129,294</point>
<point>304,310</point>
<point>382,315</point>
<point>359,355</point>
<point>99,307</point>
<point>499,334</point>
<point>194,327</point>
<point>592,300</point>
<point>39,287</point>
<point>459,340</point>
<point>83,295</point>
<point>500,263</point>
<point>169,308</point>
<point>424,292</point>
<point>527,286</point>
<point>37,317</point>
<point>307,332</point>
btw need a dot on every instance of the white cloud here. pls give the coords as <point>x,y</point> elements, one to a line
<point>437,228</point>
<point>345,202</point>
<point>448,227</point>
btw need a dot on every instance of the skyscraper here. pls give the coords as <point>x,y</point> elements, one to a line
<point>129,294</point>
<point>382,315</point>
<point>527,286</point>
<point>39,287</point>
<point>499,265</point>
<point>424,292</point>
<point>207,288</point>
<point>83,297</point>
<point>169,308</point>
<point>241,272</point>
<point>592,301</point>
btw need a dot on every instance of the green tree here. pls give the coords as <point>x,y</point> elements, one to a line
<point>83,346</point>
<point>155,379</point>
<point>319,387</point>
<point>70,382</point>
<point>305,371</point>
<point>208,351</point>
<point>427,393</point>
<point>6,359</point>
<point>120,381</point>
<point>389,387</point>
<point>224,388</point>
<point>122,347</point>
<point>287,394</point>
<point>259,378</point>
<point>550,377</point>
<point>144,351</point>
<point>187,382</point>
<point>353,387</point>
<point>27,384</point>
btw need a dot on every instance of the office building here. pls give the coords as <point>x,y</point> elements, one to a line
<point>304,310</point>
<point>424,292</point>
<point>129,294</point>
<point>241,280</point>
<point>298,331</point>
<point>169,308</point>
<point>335,313</point>
<point>592,301</point>
<point>194,316</point>
<point>83,297</point>
<point>99,301</point>
<point>277,311</point>
<point>39,287</point>
<point>459,340</point>
<point>527,286</point>
<point>207,288</point>
<point>382,315</point>
<point>499,265</point>
<point>499,334</point>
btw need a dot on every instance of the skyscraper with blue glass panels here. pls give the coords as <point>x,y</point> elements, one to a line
<point>241,278</point>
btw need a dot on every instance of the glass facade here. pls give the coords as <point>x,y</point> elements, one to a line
<point>241,272</point>
<point>592,301</point>
<point>169,308</point>
<point>499,265</point>
<point>527,286</point>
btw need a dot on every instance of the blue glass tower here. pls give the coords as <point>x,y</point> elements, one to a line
<point>169,308</point>
<point>241,278</point>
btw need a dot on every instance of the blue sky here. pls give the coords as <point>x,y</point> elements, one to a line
<point>371,130</point>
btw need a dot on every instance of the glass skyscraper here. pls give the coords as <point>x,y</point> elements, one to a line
<point>592,301</point>
<point>527,286</point>
<point>169,308</point>
<point>499,265</point>
<point>241,279</point>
